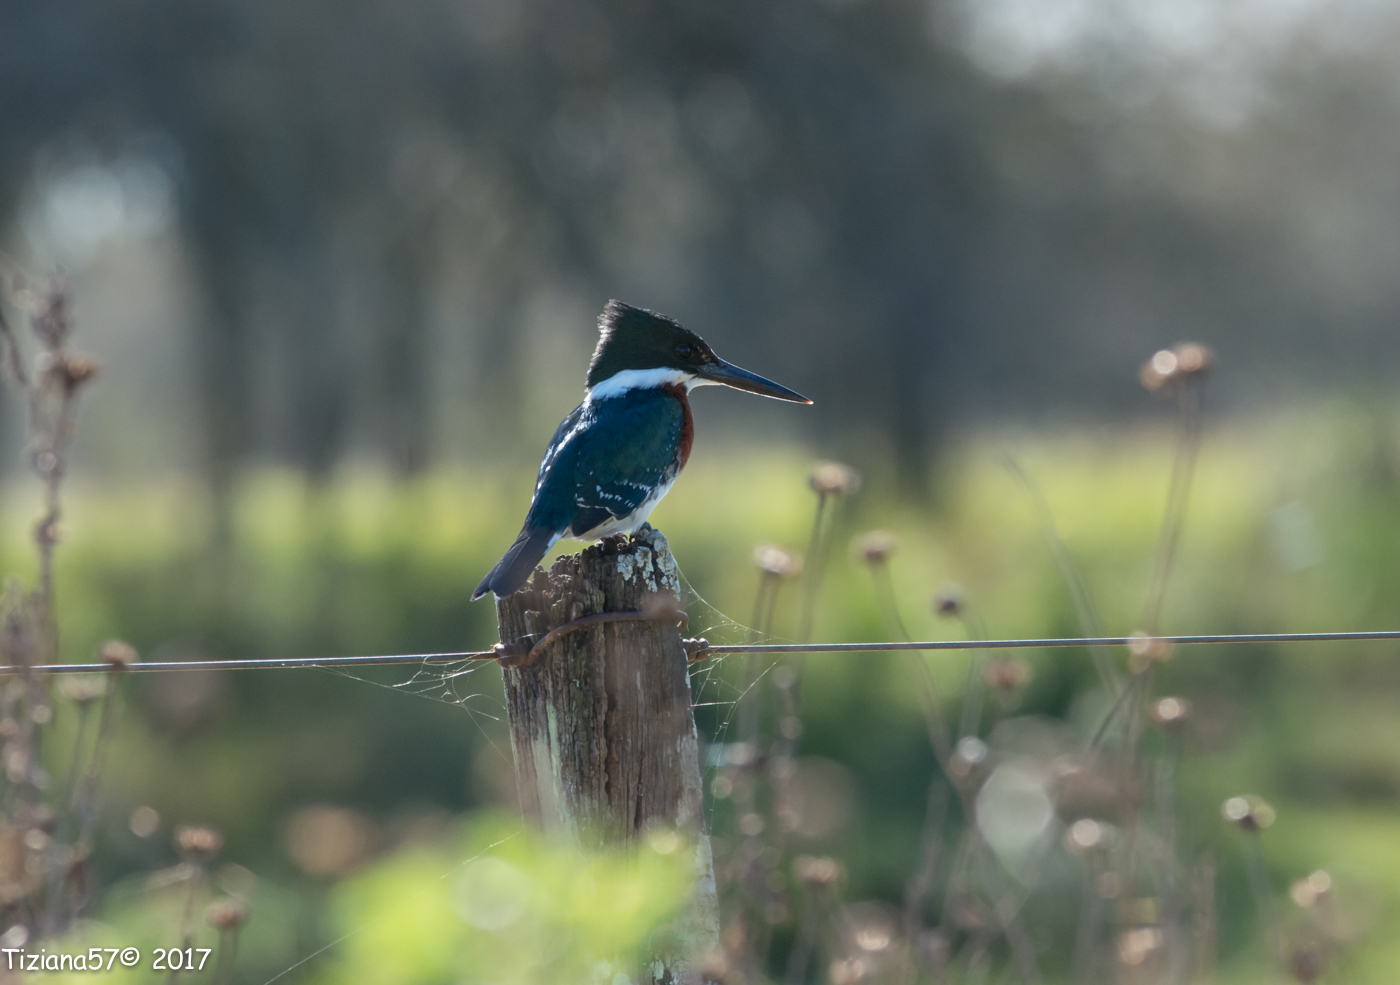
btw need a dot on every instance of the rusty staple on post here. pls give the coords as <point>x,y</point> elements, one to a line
<point>515,655</point>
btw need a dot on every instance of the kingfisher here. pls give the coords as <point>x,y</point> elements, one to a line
<point>618,453</point>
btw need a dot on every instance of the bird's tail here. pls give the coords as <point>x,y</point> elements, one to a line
<point>511,571</point>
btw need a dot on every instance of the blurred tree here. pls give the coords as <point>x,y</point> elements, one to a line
<point>922,210</point>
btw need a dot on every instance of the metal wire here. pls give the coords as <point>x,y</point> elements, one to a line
<point>287,663</point>
<point>1131,641</point>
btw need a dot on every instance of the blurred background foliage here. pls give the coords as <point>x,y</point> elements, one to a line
<point>490,903</point>
<point>342,262</point>
<point>338,231</point>
<point>313,775</point>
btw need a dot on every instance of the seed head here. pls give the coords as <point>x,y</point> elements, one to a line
<point>1145,650</point>
<point>774,560</point>
<point>1159,370</point>
<point>118,654</point>
<point>1007,674</point>
<point>818,873</point>
<point>1169,368</point>
<point>1193,359</point>
<point>1087,836</point>
<point>948,601</point>
<point>873,934</point>
<point>1251,813</point>
<point>145,821</point>
<point>1306,892</point>
<point>1135,945</point>
<point>82,689</point>
<point>196,841</point>
<point>833,478</point>
<point>847,971</point>
<point>82,369</point>
<point>969,756</point>
<point>1170,713</point>
<point>873,548</point>
<point>70,371</point>
<point>226,915</point>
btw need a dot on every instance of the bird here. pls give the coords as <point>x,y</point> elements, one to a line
<point>615,456</point>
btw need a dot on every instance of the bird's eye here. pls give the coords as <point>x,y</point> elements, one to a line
<point>683,351</point>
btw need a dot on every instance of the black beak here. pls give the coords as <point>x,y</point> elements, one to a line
<point>742,379</point>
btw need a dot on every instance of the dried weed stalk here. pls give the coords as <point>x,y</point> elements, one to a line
<point>1145,914</point>
<point>46,828</point>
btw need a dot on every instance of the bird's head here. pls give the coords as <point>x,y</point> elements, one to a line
<point>637,347</point>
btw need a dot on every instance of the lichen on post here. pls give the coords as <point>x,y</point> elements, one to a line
<point>601,721</point>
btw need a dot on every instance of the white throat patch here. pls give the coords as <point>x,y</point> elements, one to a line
<point>631,379</point>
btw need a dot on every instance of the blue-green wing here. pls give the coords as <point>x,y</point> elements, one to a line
<point>630,451</point>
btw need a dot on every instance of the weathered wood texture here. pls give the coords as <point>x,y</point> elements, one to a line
<point>601,725</point>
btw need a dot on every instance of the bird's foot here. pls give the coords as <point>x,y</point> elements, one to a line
<point>612,543</point>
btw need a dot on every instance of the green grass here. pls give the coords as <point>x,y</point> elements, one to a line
<point>366,564</point>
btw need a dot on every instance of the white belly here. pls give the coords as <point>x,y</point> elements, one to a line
<point>631,522</point>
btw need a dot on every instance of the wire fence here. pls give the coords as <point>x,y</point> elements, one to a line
<point>719,649</point>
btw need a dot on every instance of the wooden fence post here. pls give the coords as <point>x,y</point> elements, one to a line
<point>601,722</point>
